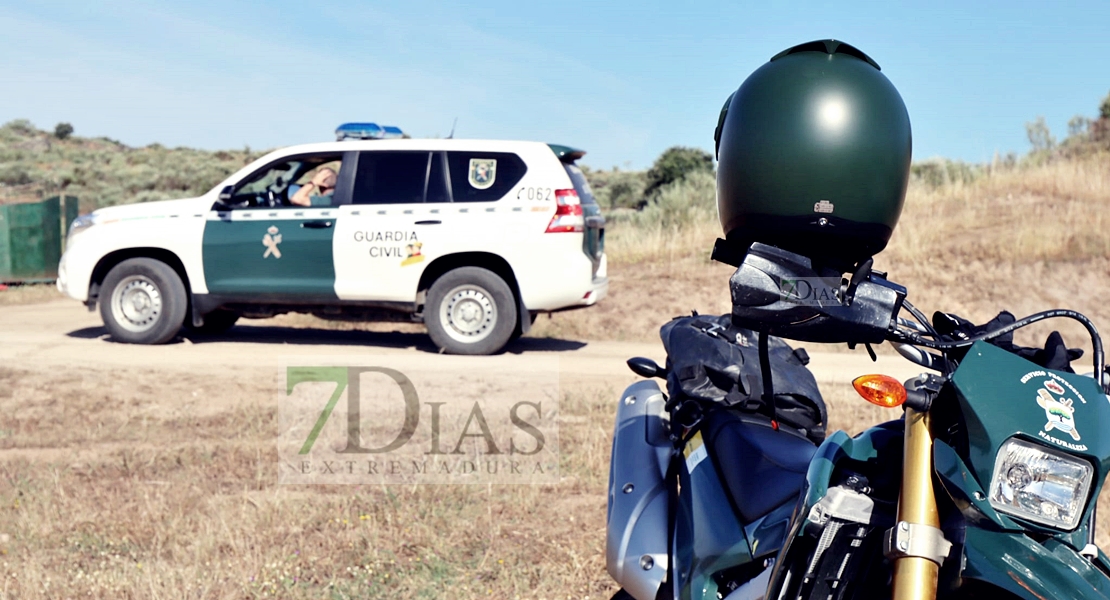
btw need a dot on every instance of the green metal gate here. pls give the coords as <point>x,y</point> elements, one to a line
<point>32,238</point>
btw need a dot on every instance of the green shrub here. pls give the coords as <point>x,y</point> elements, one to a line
<point>617,189</point>
<point>21,127</point>
<point>681,203</point>
<point>1040,136</point>
<point>14,174</point>
<point>63,130</point>
<point>676,163</point>
<point>937,172</point>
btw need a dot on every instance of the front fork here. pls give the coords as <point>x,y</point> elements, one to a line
<point>916,544</point>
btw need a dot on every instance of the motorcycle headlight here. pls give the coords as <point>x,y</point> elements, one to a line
<point>1040,484</point>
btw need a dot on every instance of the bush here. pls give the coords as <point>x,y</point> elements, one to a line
<point>675,164</point>
<point>1104,108</point>
<point>63,130</point>
<point>1040,136</point>
<point>679,204</point>
<point>617,189</point>
<point>937,172</point>
<point>22,127</point>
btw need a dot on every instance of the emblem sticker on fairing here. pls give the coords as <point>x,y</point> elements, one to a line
<point>271,241</point>
<point>1060,413</point>
<point>483,172</point>
<point>1058,398</point>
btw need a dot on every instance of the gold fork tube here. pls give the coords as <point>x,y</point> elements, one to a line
<point>915,578</point>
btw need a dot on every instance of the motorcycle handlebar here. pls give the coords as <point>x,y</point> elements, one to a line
<point>907,337</point>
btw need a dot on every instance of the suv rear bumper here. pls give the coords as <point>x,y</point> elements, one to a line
<point>597,291</point>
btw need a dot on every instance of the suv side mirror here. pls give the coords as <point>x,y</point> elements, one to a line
<point>226,194</point>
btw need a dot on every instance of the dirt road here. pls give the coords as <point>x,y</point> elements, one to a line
<point>62,334</point>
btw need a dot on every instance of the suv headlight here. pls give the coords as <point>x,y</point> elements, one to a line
<point>1040,484</point>
<point>80,224</point>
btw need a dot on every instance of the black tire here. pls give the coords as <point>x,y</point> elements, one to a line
<point>215,322</point>
<point>142,301</point>
<point>470,310</point>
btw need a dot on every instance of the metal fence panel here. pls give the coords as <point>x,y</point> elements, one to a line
<point>31,238</point>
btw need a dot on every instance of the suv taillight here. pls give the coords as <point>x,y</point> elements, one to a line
<point>568,213</point>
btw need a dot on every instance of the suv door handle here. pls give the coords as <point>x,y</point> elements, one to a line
<point>430,222</point>
<point>316,224</point>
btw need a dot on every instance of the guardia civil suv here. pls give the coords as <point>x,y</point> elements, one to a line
<point>472,237</point>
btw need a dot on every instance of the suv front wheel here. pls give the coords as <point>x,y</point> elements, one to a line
<point>142,301</point>
<point>470,310</point>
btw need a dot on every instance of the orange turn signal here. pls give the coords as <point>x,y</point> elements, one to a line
<point>882,390</point>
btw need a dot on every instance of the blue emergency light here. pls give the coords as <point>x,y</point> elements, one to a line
<point>367,131</point>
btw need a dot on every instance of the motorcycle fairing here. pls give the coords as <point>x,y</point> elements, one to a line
<point>998,396</point>
<point>966,493</point>
<point>1029,570</point>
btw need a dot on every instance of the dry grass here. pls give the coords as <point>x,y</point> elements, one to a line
<point>110,488</point>
<point>115,490</point>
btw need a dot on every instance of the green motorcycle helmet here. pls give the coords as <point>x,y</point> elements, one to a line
<point>813,157</point>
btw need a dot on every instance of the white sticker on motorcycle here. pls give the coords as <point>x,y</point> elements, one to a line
<point>695,452</point>
<point>1058,399</point>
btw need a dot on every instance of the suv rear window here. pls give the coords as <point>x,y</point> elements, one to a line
<point>390,177</point>
<point>578,179</point>
<point>483,176</point>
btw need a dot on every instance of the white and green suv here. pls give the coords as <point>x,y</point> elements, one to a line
<point>473,237</point>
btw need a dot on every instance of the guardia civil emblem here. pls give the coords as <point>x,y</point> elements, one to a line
<point>271,240</point>
<point>414,254</point>
<point>483,171</point>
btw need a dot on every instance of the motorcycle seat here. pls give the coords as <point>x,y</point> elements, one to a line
<point>761,466</point>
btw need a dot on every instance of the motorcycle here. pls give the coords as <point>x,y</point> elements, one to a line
<point>985,486</point>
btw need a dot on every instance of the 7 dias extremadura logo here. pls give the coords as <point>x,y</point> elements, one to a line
<point>414,419</point>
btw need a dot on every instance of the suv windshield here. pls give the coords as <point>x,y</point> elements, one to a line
<point>585,194</point>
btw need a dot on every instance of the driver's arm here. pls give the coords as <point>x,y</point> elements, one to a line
<point>302,196</point>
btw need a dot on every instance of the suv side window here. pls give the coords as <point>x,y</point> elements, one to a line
<point>384,177</point>
<point>483,176</point>
<point>275,185</point>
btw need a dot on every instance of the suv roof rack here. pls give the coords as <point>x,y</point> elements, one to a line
<point>367,131</point>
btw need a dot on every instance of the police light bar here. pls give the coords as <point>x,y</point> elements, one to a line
<point>367,131</point>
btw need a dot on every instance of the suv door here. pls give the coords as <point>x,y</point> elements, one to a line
<point>258,246</point>
<point>391,229</point>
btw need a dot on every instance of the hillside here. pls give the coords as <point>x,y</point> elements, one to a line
<point>35,164</point>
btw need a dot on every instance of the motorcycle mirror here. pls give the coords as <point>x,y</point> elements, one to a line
<point>881,390</point>
<point>645,367</point>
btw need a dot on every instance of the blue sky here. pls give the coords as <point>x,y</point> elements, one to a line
<point>623,80</point>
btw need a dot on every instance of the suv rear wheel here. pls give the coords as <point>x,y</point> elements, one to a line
<point>470,310</point>
<point>142,301</point>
